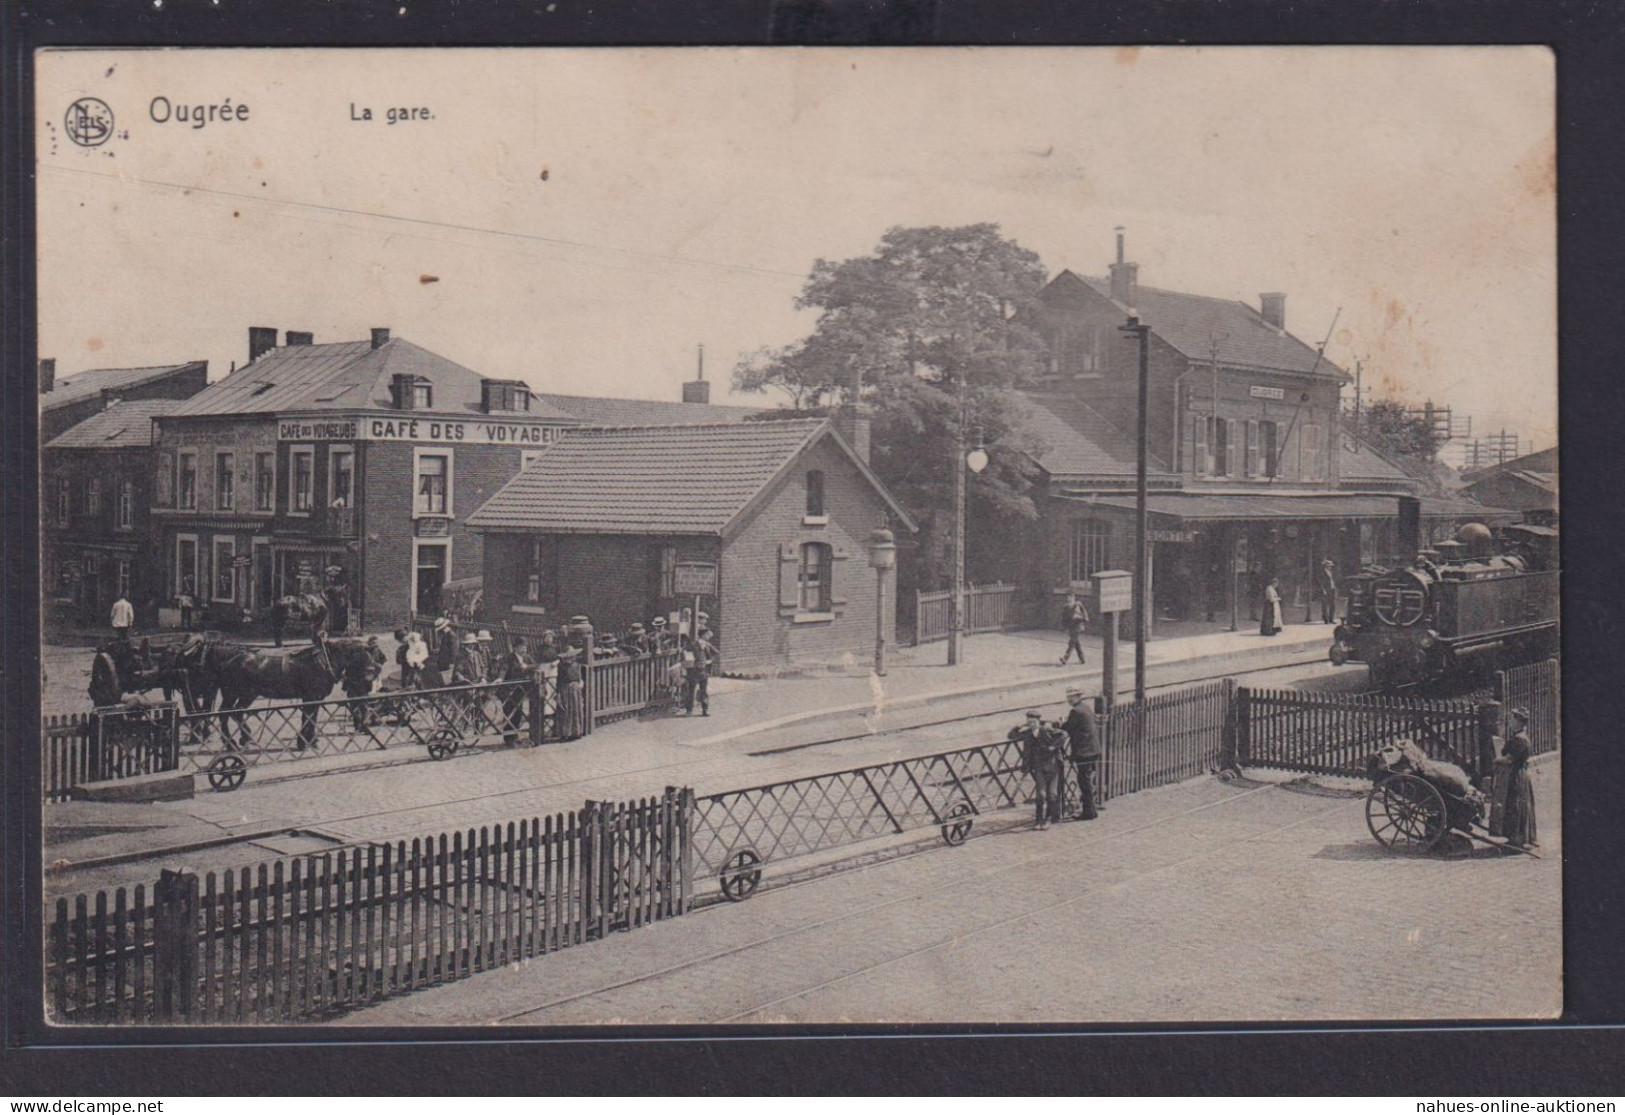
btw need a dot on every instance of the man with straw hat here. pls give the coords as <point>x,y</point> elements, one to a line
<point>1084,743</point>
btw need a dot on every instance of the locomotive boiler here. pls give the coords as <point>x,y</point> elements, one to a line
<point>1483,599</point>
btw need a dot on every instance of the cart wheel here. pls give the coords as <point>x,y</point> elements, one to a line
<point>1405,813</point>
<point>444,744</point>
<point>956,829</point>
<point>741,875</point>
<point>226,773</point>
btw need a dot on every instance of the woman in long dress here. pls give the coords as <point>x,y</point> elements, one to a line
<point>572,696</point>
<point>1270,622</point>
<point>1518,807</point>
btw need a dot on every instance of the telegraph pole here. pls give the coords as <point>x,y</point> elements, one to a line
<point>1137,329</point>
<point>956,623</point>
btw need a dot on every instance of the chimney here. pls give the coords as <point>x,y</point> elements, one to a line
<point>853,424</point>
<point>400,390</point>
<point>261,340</point>
<point>300,338</point>
<point>380,338</point>
<point>1408,536</point>
<point>1273,308</point>
<point>697,390</point>
<point>1125,276</point>
<point>47,375</point>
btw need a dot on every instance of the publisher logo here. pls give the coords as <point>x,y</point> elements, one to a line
<point>89,122</point>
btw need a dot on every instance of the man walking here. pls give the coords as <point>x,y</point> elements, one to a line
<point>123,618</point>
<point>1074,617</point>
<point>1084,741</point>
<point>1326,589</point>
<point>697,657</point>
<point>1043,749</point>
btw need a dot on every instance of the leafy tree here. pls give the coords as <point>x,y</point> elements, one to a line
<point>1399,432</point>
<point>924,325</point>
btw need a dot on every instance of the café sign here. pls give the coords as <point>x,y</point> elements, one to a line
<point>418,431</point>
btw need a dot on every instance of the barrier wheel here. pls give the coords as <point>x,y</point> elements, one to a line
<point>226,772</point>
<point>956,829</point>
<point>444,744</point>
<point>741,875</point>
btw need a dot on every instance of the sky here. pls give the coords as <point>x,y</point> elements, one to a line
<point>583,219</point>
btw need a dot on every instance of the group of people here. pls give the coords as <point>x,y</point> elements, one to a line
<point>1046,749</point>
<point>1270,621</point>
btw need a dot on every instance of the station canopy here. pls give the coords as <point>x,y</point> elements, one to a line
<point>1211,507</point>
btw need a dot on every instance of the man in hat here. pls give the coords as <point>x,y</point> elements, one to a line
<point>184,600</point>
<point>1326,590</point>
<point>1043,750</point>
<point>517,666</point>
<point>337,599</point>
<point>704,630</point>
<point>1075,617</point>
<point>1083,737</point>
<point>358,682</point>
<point>659,640</point>
<point>466,667</point>
<point>445,655</point>
<point>487,649</point>
<point>123,617</point>
<point>636,642</point>
<point>698,654</point>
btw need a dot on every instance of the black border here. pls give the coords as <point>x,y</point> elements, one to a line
<point>1569,1060</point>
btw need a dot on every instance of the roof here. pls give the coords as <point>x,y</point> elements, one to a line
<point>348,376</point>
<point>643,412</point>
<point>1075,440</point>
<point>1367,464</point>
<point>1543,481</point>
<point>1540,461</point>
<point>1211,506</point>
<point>93,381</point>
<point>1196,323</point>
<point>695,479</point>
<point>124,425</point>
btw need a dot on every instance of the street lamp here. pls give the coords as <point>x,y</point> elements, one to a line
<point>976,461</point>
<point>882,557</point>
<point>1136,329</point>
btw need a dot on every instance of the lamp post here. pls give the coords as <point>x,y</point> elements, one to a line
<point>882,557</point>
<point>976,461</point>
<point>1138,330</point>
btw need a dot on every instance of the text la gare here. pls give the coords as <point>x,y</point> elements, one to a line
<point>360,114</point>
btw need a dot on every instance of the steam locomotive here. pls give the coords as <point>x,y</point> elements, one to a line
<point>1485,598</point>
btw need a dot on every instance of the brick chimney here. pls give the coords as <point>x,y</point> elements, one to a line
<point>697,390</point>
<point>261,340</point>
<point>380,338</point>
<point>1125,276</point>
<point>1273,308</point>
<point>300,338</point>
<point>853,423</point>
<point>47,375</point>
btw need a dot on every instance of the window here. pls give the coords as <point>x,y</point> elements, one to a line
<point>225,569</point>
<point>265,482</point>
<point>433,483</point>
<point>1313,464</point>
<point>225,492</point>
<point>815,494</point>
<point>1268,448</point>
<point>541,572</point>
<point>1220,457</point>
<point>93,495</point>
<point>341,477</point>
<point>186,564</point>
<point>668,571</point>
<point>124,512</point>
<point>1090,548</point>
<point>301,494</point>
<point>186,481</point>
<point>63,501</point>
<point>422,395</point>
<point>122,576</point>
<point>815,577</point>
<point>165,481</point>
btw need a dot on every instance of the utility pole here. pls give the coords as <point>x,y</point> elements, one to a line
<point>1359,371</point>
<point>956,628</point>
<point>1138,330</point>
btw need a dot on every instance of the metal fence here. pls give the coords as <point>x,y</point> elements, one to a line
<point>301,939</point>
<point>987,608</point>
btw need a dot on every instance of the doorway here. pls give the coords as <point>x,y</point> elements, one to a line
<point>432,560</point>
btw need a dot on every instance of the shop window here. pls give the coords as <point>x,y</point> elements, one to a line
<point>433,484</point>
<point>225,492</point>
<point>816,571</point>
<point>225,572</point>
<point>815,494</point>
<point>264,481</point>
<point>1090,549</point>
<point>186,481</point>
<point>302,494</point>
<point>185,565</point>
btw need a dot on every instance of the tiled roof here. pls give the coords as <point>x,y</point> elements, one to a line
<point>1195,323</point>
<point>643,412</point>
<point>1543,461</point>
<point>1367,464</point>
<point>351,375</point>
<point>93,381</point>
<point>647,479</point>
<point>124,425</point>
<point>1076,440</point>
<point>1211,507</point>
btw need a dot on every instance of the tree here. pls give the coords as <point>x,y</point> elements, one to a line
<point>1400,432</point>
<point>915,331</point>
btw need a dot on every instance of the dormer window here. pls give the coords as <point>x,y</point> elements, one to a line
<point>408,392</point>
<point>422,395</point>
<point>504,395</point>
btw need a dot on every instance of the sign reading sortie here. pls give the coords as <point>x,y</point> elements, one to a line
<point>694,578</point>
<point>429,431</point>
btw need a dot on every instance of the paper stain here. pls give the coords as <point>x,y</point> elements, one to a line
<point>94,344</point>
<point>1536,172</point>
<point>1126,55</point>
<point>427,279</point>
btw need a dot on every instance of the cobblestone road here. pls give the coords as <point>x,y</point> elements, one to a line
<point>1199,902</point>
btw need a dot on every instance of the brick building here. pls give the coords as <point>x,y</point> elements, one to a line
<point>785,509</point>
<point>364,455</point>
<point>95,514</point>
<point>1250,473</point>
<point>71,399</point>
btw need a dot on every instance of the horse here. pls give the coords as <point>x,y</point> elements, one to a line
<point>120,668</point>
<point>243,675</point>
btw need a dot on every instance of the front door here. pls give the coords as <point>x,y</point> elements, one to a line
<point>431,576</point>
<point>264,577</point>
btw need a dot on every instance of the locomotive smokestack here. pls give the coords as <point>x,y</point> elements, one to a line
<point>1410,528</point>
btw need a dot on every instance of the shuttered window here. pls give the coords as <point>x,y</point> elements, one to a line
<point>817,571</point>
<point>1199,457</point>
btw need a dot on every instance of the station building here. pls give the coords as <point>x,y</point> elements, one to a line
<point>785,509</point>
